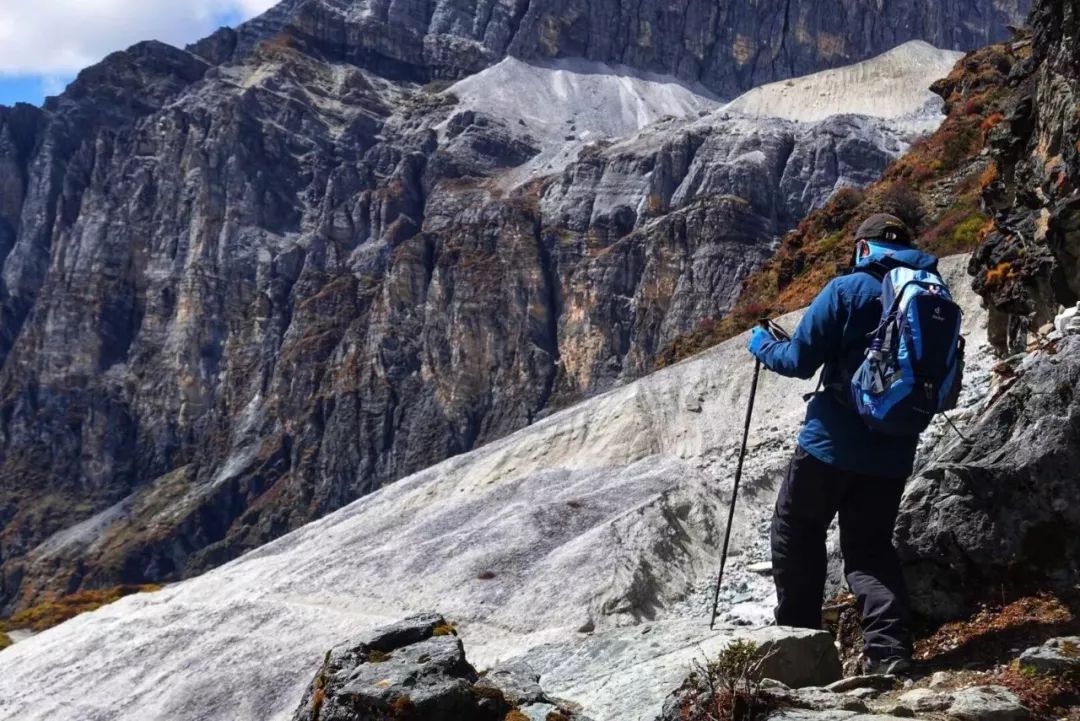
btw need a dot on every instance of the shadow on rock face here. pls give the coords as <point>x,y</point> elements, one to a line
<point>1002,511</point>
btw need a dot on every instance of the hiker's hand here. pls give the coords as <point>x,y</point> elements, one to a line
<point>760,338</point>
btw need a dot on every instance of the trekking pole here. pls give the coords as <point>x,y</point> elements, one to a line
<point>735,492</point>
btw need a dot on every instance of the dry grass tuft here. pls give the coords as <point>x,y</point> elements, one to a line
<point>377,656</point>
<point>995,630</point>
<point>727,689</point>
<point>53,612</point>
<point>402,708</point>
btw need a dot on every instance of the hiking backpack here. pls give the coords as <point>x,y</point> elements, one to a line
<point>915,363</point>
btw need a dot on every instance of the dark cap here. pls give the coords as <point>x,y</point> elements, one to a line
<point>884,227</point>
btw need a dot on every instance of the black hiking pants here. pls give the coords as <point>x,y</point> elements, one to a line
<point>812,494</point>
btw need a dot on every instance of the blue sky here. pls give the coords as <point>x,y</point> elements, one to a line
<point>44,43</point>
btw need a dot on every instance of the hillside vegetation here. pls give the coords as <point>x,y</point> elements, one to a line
<point>936,188</point>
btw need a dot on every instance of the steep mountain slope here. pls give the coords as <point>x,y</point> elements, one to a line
<point>550,546</point>
<point>889,85</point>
<point>246,284</point>
<point>936,187</point>
<point>1028,263</point>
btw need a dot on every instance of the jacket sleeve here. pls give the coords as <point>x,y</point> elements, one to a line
<point>820,334</point>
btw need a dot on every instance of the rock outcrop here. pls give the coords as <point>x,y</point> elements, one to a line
<point>1056,656</point>
<point>1000,511</point>
<point>1028,264</point>
<point>416,669</point>
<point>247,284</point>
<point>987,703</point>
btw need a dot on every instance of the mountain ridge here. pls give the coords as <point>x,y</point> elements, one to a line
<point>727,47</point>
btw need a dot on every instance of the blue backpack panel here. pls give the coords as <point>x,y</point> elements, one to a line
<point>915,363</point>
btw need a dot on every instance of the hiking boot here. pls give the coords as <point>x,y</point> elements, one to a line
<point>891,666</point>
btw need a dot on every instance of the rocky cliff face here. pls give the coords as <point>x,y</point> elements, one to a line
<point>728,46</point>
<point>1000,512</point>
<point>245,284</point>
<point>1028,264</point>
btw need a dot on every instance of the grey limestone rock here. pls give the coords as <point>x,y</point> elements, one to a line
<point>826,715</point>
<point>1006,502</point>
<point>801,659</point>
<point>874,681</point>
<point>727,46</point>
<point>417,669</point>
<point>924,700</point>
<point>1058,655</point>
<point>817,699</point>
<point>987,703</point>
<point>519,683</point>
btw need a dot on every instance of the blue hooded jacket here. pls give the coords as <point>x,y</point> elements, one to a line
<point>834,333</point>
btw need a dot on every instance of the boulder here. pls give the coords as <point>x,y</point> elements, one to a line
<point>1058,655</point>
<point>987,703</point>
<point>519,683</point>
<point>796,664</point>
<point>1068,322</point>
<point>939,679</point>
<point>417,669</point>
<point>898,710</point>
<point>923,700</point>
<point>864,694</point>
<point>808,715</point>
<point>800,658</point>
<point>817,699</point>
<point>1003,506</point>
<point>540,712</point>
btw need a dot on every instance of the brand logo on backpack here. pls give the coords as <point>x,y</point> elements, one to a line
<point>915,362</point>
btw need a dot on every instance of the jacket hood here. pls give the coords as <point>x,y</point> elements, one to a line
<point>905,254</point>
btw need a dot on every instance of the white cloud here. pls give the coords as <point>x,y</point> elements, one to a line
<point>60,37</point>
<point>53,84</point>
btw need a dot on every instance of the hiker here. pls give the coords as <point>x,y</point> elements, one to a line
<point>841,464</point>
